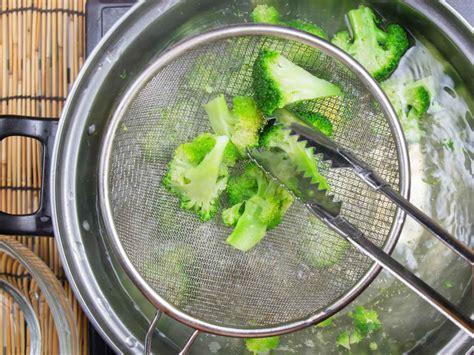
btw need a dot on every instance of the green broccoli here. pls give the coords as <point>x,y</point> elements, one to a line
<point>312,119</point>
<point>300,157</point>
<point>259,204</point>
<point>366,321</point>
<point>278,82</point>
<point>242,125</point>
<point>268,14</point>
<point>378,51</point>
<point>262,345</point>
<point>198,173</point>
<point>411,100</point>
<point>265,14</point>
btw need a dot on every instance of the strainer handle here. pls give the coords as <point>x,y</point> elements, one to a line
<point>151,330</point>
<point>425,291</point>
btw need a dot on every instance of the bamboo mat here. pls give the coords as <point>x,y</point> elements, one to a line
<point>41,52</point>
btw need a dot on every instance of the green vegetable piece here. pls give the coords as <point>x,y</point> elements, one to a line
<point>418,100</point>
<point>448,284</point>
<point>378,51</point>
<point>262,345</point>
<point>299,155</point>
<point>311,119</point>
<point>268,14</point>
<point>279,82</point>
<point>325,323</point>
<point>343,340</point>
<point>411,99</point>
<point>265,14</point>
<point>365,321</point>
<point>242,125</point>
<point>355,337</point>
<point>259,204</point>
<point>373,345</point>
<point>199,171</point>
<point>231,215</point>
<point>449,144</point>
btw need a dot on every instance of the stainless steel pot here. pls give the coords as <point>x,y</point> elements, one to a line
<point>112,302</point>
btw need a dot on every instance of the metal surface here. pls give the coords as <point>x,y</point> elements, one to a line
<point>110,299</point>
<point>29,314</point>
<point>225,291</point>
<point>340,157</point>
<point>304,189</point>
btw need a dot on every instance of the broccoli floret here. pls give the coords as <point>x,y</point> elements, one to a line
<point>259,204</point>
<point>262,345</point>
<point>268,14</point>
<point>279,82</point>
<point>300,157</point>
<point>378,51</point>
<point>411,100</point>
<point>265,14</point>
<point>418,100</point>
<point>366,321</point>
<point>242,125</point>
<point>198,173</point>
<point>312,119</point>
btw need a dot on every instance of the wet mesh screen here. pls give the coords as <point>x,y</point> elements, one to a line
<point>300,267</point>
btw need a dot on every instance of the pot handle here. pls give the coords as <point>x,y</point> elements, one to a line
<point>44,130</point>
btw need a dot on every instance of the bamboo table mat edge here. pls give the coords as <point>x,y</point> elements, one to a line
<point>42,47</point>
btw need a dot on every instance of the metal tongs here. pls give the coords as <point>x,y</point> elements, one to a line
<point>322,204</point>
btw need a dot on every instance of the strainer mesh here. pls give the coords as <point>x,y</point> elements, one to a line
<point>300,267</point>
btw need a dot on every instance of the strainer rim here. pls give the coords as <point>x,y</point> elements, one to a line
<point>163,60</point>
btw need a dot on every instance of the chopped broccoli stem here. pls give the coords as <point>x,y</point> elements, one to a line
<point>279,82</point>
<point>262,345</point>
<point>242,125</point>
<point>259,204</point>
<point>378,51</point>
<point>198,173</point>
<point>269,14</point>
<point>221,118</point>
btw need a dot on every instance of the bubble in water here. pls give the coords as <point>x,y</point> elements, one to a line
<point>91,129</point>
<point>86,225</point>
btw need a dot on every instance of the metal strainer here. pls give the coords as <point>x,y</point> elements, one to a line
<point>183,266</point>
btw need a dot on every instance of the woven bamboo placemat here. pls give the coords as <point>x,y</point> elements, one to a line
<point>41,52</point>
